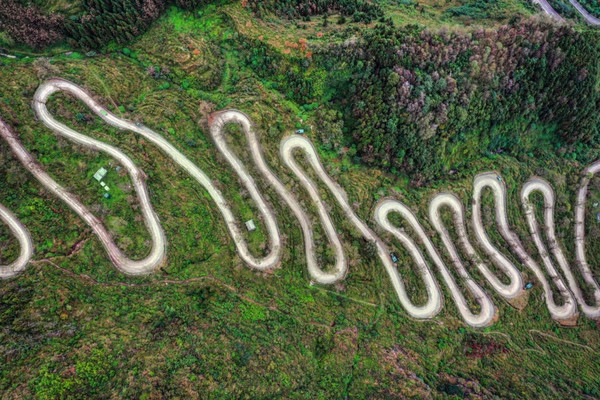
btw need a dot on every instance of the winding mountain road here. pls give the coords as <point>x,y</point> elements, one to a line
<point>296,142</point>
<point>496,184</point>
<point>26,245</point>
<point>290,147</point>
<point>536,184</point>
<point>157,254</point>
<point>449,200</point>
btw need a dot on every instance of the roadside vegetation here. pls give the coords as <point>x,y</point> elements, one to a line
<point>593,7</point>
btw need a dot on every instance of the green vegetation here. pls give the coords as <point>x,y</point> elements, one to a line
<point>115,20</point>
<point>360,10</point>
<point>413,98</point>
<point>565,9</point>
<point>479,9</point>
<point>519,97</point>
<point>593,7</point>
<point>85,24</point>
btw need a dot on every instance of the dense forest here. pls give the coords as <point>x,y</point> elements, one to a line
<point>100,22</point>
<point>27,25</point>
<point>121,21</point>
<point>360,10</point>
<point>405,91</point>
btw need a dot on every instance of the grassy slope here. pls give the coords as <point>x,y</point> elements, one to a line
<point>436,13</point>
<point>76,327</point>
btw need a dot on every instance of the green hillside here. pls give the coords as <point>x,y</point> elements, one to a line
<point>402,99</point>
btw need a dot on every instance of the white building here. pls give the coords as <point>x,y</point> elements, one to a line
<point>250,226</point>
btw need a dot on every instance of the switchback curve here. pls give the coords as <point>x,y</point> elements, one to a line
<point>485,316</point>
<point>24,238</point>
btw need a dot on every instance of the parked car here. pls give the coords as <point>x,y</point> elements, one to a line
<point>528,286</point>
<point>394,258</point>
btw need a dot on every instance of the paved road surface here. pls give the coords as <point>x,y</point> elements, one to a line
<point>590,19</point>
<point>564,312</point>
<point>290,145</point>
<point>548,9</point>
